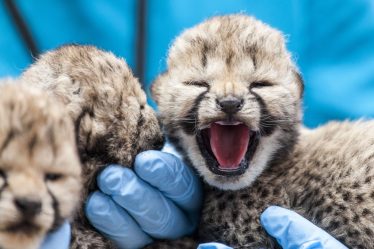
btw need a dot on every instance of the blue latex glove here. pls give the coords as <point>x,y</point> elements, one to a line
<point>161,199</point>
<point>292,231</point>
<point>60,239</point>
<point>213,245</point>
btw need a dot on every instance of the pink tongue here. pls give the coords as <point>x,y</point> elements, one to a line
<point>229,144</point>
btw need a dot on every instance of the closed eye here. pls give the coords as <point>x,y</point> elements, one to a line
<point>53,176</point>
<point>260,84</point>
<point>196,83</point>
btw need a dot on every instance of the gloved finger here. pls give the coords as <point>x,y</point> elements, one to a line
<point>213,245</point>
<point>293,231</point>
<point>175,180</point>
<point>59,239</point>
<point>155,214</point>
<point>111,220</point>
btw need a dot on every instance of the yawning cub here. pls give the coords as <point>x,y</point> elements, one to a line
<point>230,102</point>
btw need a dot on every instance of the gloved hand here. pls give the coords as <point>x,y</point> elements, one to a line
<point>160,199</point>
<point>213,245</point>
<point>59,239</point>
<point>291,230</point>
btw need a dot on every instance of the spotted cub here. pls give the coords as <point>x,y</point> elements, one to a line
<point>39,167</point>
<point>109,109</point>
<point>230,101</point>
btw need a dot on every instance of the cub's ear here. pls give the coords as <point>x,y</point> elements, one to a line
<point>300,82</point>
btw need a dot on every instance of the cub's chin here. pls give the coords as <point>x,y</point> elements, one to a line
<point>30,239</point>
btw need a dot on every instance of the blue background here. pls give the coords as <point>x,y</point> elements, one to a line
<point>332,41</point>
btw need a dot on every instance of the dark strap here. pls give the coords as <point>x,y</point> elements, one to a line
<point>22,28</point>
<point>141,44</point>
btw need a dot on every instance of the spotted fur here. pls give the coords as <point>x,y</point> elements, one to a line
<point>112,120</point>
<point>326,174</point>
<point>39,167</point>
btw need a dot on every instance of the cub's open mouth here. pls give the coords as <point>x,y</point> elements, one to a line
<point>228,147</point>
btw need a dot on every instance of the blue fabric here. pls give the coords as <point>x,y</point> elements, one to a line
<point>108,24</point>
<point>331,42</point>
<point>294,232</point>
<point>160,199</point>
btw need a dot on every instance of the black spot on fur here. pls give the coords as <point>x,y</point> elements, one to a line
<point>366,212</point>
<point>264,193</point>
<point>345,220</point>
<point>196,83</point>
<point>235,215</point>
<point>204,52</point>
<point>252,51</point>
<point>219,194</point>
<point>319,202</point>
<point>356,218</point>
<point>353,233</point>
<point>134,147</point>
<point>276,191</point>
<point>221,206</point>
<point>249,239</point>
<point>52,140</point>
<point>58,220</point>
<point>346,196</point>
<point>305,198</point>
<point>333,225</point>
<point>356,185</point>
<point>248,220</point>
<point>234,240</point>
<point>368,179</point>
<point>328,209</point>
<point>189,125</point>
<point>230,197</point>
<point>244,196</point>
<point>4,176</point>
<point>268,122</point>
<point>368,231</point>
<point>319,215</point>
<point>229,58</point>
<point>359,198</point>
<point>31,144</point>
<point>342,208</point>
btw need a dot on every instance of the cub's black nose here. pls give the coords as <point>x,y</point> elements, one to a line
<point>28,207</point>
<point>230,105</point>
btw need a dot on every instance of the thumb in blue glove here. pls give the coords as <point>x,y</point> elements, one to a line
<point>161,199</point>
<point>292,231</point>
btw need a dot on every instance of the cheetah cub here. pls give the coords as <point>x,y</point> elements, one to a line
<point>230,102</point>
<point>112,120</point>
<point>39,167</point>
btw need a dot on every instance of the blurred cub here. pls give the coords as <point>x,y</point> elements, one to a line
<point>39,167</point>
<point>112,120</point>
